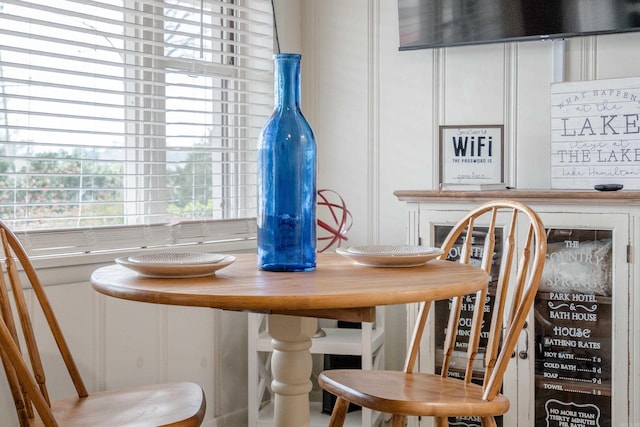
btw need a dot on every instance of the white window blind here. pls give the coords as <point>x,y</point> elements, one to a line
<point>131,123</point>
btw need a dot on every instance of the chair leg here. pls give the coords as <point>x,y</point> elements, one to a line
<point>339,412</point>
<point>398,420</point>
<point>489,422</point>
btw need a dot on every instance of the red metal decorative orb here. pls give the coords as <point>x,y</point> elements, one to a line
<point>334,220</point>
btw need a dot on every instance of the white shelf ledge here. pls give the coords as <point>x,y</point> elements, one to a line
<point>337,341</point>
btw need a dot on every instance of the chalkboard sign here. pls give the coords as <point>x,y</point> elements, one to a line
<point>573,331</point>
<point>573,327</point>
<point>595,133</point>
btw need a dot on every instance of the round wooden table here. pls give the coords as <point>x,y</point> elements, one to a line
<point>337,289</point>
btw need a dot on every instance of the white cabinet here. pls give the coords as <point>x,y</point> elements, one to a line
<point>576,363</point>
<point>366,342</point>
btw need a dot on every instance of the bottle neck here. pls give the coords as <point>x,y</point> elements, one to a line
<point>287,80</point>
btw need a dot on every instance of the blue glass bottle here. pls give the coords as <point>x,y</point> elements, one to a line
<point>287,178</point>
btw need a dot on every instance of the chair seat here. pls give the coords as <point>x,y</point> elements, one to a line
<point>135,406</point>
<point>411,393</point>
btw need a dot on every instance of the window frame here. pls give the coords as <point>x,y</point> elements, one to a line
<point>239,232</point>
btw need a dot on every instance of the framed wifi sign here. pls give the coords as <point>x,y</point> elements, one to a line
<point>472,155</point>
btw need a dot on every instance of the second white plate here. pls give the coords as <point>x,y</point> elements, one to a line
<point>390,255</point>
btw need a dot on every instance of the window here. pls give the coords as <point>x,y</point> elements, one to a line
<point>131,123</point>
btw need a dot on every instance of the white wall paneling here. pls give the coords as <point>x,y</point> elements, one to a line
<point>510,114</point>
<point>373,127</point>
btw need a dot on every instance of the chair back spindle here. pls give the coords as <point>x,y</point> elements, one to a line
<point>15,257</point>
<point>12,354</point>
<point>513,293</point>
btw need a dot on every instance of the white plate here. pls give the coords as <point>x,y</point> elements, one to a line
<point>390,255</point>
<point>173,268</point>
<point>177,258</point>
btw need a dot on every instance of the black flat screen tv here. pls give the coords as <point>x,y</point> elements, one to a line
<point>428,24</point>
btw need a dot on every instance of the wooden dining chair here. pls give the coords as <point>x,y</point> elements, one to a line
<point>407,393</point>
<point>176,404</point>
